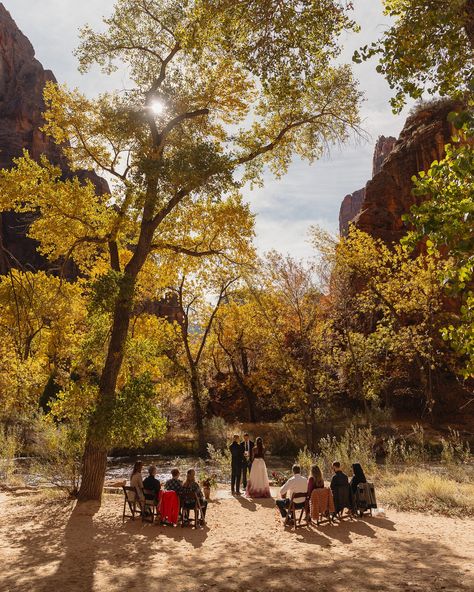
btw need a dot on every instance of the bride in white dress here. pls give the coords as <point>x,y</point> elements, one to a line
<point>258,484</point>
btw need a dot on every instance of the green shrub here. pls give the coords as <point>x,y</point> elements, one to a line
<point>455,450</point>
<point>401,451</point>
<point>220,461</point>
<point>306,459</point>
<point>356,445</point>
<point>9,447</point>
<point>58,453</point>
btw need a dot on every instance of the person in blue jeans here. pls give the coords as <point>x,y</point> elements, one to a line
<point>295,484</point>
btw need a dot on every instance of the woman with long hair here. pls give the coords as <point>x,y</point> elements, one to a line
<point>136,479</point>
<point>190,485</point>
<point>358,477</point>
<point>258,484</point>
<point>316,480</point>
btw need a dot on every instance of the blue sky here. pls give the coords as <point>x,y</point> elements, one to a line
<point>308,194</point>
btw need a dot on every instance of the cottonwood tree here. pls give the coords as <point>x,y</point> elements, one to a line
<point>220,90</point>
<point>240,345</point>
<point>299,340</point>
<point>42,321</point>
<point>200,291</point>
<point>444,220</point>
<point>396,313</point>
<point>429,47</point>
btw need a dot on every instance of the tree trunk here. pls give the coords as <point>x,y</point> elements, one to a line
<point>97,442</point>
<point>198,413</point>
<point>94,464</point>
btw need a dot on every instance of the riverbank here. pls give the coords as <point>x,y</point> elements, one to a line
<point>47,543</point>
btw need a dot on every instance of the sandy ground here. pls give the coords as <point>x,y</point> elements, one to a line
<point>52,546</point>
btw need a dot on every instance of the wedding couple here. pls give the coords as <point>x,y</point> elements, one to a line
<point>249,457</point>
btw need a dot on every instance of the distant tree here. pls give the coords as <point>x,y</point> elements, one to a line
<point>395,303</point>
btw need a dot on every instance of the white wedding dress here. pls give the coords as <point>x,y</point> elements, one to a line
<point>258,484</point>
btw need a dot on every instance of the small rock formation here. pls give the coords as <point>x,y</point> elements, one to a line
<point>383,148</point>
<point>378,208</point>
<point>350,209</point>
<point>352,203</point>
<point>22,80</point>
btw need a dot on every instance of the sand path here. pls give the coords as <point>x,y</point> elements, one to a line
<point>49,546</point>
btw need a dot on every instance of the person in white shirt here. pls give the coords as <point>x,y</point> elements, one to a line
<point>295,484</point>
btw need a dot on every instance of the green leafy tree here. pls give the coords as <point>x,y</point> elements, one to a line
<point>444,220</point>
<point>429,47</point>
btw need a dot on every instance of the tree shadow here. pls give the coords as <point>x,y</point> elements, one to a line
<point>68,549</point>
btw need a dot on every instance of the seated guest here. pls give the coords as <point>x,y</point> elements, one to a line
<point>341,489</point>
<point>152,483</point>
<point>295,484</point>
<point>136,479</point>
<point>192,486</point>
<point>359,477</point>
<point>316,480</point>
<point>175,483</point>
<point>339,478</point>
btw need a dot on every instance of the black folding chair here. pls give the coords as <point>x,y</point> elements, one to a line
<point>189,502</point>
<point>149,506</point>
<point>298,502</point>
<point>343,499</point>
<point>365,498</point>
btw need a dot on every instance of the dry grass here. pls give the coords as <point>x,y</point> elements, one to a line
<point>424,491</point>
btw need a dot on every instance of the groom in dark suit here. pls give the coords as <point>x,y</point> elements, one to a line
<point>247,447</point>
<point>237,460</point>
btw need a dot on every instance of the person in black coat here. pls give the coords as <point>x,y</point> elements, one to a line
<point>237,460</point>
<point>359,477</point>
<point>340,488</point>
<point>247,447</point>
<point>152,484</point>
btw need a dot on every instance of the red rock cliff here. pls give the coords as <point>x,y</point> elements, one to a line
<point>22,80</point>
<point>352,203</point>
<point>388,195</point>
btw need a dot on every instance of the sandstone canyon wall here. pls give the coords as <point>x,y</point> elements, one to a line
<point>378,208</point>
<point>22,79</point>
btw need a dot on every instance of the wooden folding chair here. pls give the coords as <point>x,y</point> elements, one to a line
<point>321,506</point>
<point>190,502</point>
<point>298,502</point>
<point>133,502</point>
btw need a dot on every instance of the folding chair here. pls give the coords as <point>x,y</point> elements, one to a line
<point>321,505</point>
<point>149,506</point>
<point>365,498</point>
<point>343,499</point>
<point>299,501</point>
<point>133,502</point>
<point>190,502</point>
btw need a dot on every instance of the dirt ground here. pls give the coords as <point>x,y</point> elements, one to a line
<point>53,546</point>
